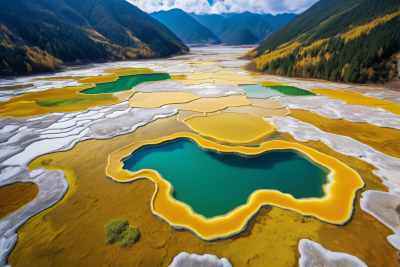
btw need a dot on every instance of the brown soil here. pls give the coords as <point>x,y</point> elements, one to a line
<point>15,196</point>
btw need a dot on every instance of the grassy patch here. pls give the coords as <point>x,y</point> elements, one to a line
<point>119,231</point>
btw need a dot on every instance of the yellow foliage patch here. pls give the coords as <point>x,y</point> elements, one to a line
<point>355,32</point>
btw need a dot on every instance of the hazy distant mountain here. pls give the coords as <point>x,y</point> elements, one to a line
<point>279,20</point>
<point>243,37</point>
<point>227,25</point>
<point>276,21</point>
<point>73,29</point>
<point>211,21</point>
<point>256,25</point>
<point>339,40</point>
<point>186,27</point>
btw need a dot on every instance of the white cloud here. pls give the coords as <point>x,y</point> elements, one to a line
<point>223,6</point>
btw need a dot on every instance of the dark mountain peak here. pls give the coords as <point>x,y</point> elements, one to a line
<point>186,27</point>
<point>243,37</point>
<point>255,24</point>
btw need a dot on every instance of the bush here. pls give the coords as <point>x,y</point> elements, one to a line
<point>114,229</point>
<point>120,231</point>
<point>129,236</point>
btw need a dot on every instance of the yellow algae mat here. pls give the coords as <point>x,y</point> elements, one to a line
<point>360,99</point>
<point>158,99</point>
<point>100,79</point>
<point>68,99</point>
<point>230,77</point>
<point>212,104</point>
<point>265,103</point>
<point>131,71</point>
<point>257,111</point>
<point>185,114</point>
<point>233,128</point>
<point>335,207</point>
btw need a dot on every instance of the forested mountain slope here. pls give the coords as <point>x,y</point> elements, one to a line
<point>340,40</point>
<point>37,35</point>
<point>186,27</point>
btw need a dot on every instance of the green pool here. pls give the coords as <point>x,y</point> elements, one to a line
<point>126,83</point>
<point>260,91</point>
<point>214,184</point>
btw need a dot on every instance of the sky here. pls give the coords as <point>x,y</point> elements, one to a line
<point>226,6</point>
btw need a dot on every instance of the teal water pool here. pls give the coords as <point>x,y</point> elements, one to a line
<point>260,91</point>
<point>126,83</point>
<point>214,184</point>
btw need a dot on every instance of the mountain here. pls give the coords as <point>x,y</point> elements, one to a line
<point>186,27</point>
<point>276,21</point>
<point>243,37</point>
<point>339,40</point>
<point>227,25</point>
<point>211,21</point>
<point>255,24</point>
<point>38,35</point>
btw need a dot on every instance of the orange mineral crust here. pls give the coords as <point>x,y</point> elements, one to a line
<point>360,99</point>
<point>335,207</point>
<point>231,127</point>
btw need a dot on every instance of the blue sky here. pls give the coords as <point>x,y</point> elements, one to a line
<point>224,6</point>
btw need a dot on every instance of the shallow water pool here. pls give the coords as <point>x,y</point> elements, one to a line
<point>214,184</point>
<point>126,83</point>
<point>261,91</point>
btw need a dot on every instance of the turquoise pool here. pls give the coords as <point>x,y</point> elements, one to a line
<point>260,91</point>
<point>214,184</point>
<point>126,83</point>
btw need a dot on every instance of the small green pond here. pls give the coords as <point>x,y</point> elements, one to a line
<point>126,83</point>
<point>71,101</point>
<point>260,91</point>
<point>214,184</point>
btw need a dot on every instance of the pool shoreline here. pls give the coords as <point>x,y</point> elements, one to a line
<point>336,207</point>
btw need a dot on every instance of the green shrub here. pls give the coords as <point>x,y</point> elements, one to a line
<point>114,229</point>
<point>129,236</point>
<point>120,231</point>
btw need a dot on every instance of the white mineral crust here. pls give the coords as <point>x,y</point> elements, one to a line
<point>315,255</point>
<point>202,90</point>
<point>193,260</point>
<point>337,109</point>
